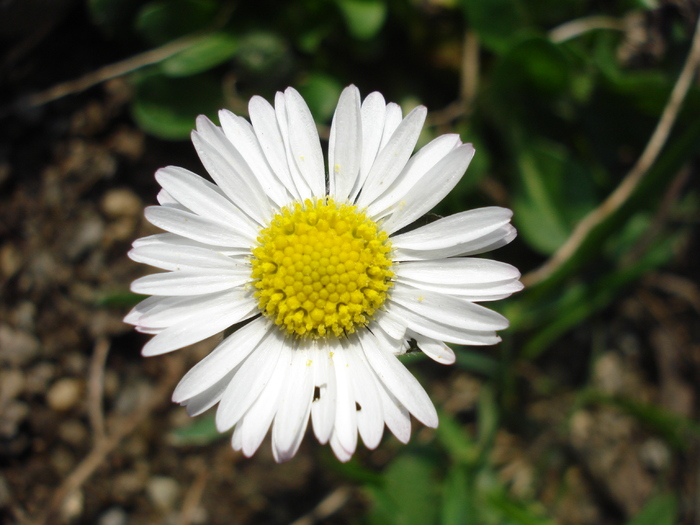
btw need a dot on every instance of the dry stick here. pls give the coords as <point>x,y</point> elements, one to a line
<point>469,83</point>
<point>618,197</point>
<point>193,496</point>
<point>328,506</point>
<point>577,27</point>
<point>96,388</point>
<point>110,71</point>
<point>123,427</point>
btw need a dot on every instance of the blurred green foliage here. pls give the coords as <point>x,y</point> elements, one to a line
<point>556,124</point>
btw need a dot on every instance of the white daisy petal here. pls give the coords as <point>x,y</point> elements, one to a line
<point>195,227</point>
<point>345,412</point>
<point>372,114</point>
<point>228,169</point>
<point>370,419</point>
<point>444,332</point>
<point>206,399</point>
<point>258,419</point>
<point>249,381</point>
<point>323,404</point>
<point>199,326</point>
<point>264,121</point>
<point>299,267</point>
<point>398,380</point>
<point>224,358</point>
<point>303,190</point>
<point>392,119</point>
<point>430,190</point>
<point>397,418</point>
<point>454,235</point>
<point>203,198</point>
<point>294,403</point>
<point>184,257</point>
<point>393,157</point>
<point>416,169</point>
<point>240,132</point>
<point>447,309</point>
<point>345,145</point>
<point>304,142</point>
<point>435,350</point>
<point>189,282</point>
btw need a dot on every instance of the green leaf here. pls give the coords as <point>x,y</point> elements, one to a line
<point>263,51</point>
<point>160,21</point>
<point>515,513</point>
<point>201,431</point>
<point>364,18</point>
<point>167,107</point>
<point>321,93</point>
<point>497,22</point>
<point>457,498</point>
<point>477,362</point>
<point>662,509</point>
<point>205,54</point>
<point>459,446</point>
<point>537,205</point>
<point>408,495</point>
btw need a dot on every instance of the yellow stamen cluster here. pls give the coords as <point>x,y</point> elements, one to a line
<point>322,269</point>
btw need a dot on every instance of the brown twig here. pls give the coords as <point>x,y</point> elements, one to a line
<point>578,27</point>
<point>620,195</point>
<point>96,388</point>
<point>469,84</point>
<point>193,496</point>
<point>328,506</point>
<point>108,72</point>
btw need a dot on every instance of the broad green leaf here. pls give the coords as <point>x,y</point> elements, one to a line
<point>515,513</point>
<point>459,446</point>
<point>263,51</point>
<point>167,107</point>
<point>408,495</point>
<point>659,510</point>
<point>321,93</point>
<point>539,201</point>
<point>497,22</point>
<point>207,53</point>
<point>160,21</point>
<point>364,18</point>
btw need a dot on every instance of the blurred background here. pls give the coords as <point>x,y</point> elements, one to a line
<point>585,118</point>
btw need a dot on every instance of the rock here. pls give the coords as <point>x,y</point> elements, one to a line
<point>121,202</point>
<point>11,384</point>
<point>74,433</point>
<point>11,417</point>
<point>64,394</point>
<point>73,506</point>
<point>163,492</point>
<point>113,516</point>
<point>17,347</point>
<point>88,235</point>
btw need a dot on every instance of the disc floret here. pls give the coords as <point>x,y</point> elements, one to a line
<point>321,269</point>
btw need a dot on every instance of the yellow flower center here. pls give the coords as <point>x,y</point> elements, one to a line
<point>322,269</point>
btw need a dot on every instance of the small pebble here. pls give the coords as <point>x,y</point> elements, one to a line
<point>17,347</point>
<point>64,394</point>
<point>88,235</point>
<point>113,516</point>
<point>11,417</point>
<point>11,384</point>
<point>73,432</point>
<point>121,202</point>
<point>73,506</point>
<point>163,492</point>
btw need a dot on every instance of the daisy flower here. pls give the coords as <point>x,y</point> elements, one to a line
<point>309,274</point>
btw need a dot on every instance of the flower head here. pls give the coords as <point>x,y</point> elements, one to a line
<point>309,264</point>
